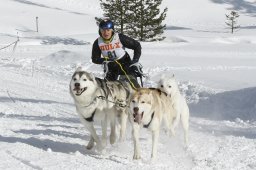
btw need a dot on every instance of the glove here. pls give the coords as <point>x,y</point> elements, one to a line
<point>137,69</point>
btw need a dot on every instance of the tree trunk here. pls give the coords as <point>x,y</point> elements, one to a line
<point>232,27</point>
<point>141,20</point>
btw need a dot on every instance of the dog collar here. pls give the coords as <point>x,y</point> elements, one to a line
<point>147,125</point>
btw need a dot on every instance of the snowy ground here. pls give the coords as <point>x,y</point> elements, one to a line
<point>39,128</point>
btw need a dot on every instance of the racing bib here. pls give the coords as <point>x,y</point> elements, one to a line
<point>113,49</point>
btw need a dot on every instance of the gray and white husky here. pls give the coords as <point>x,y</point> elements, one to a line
<point>97,100</point>
<point>121,93</point>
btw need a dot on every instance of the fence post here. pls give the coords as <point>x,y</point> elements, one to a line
<point>36,24</point>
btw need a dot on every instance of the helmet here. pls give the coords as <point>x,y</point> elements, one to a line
<point>106,24</point>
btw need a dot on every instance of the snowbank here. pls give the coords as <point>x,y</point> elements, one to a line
<point>228,105</point>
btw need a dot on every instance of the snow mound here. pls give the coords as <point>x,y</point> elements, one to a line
<point>176,39</point>
<point>228,105</point>
<point>233,40</point>
<point>62,58</point>
<point>195,92</point>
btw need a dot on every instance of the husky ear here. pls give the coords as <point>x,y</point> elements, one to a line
<point>91,77</point>
<point>79,69</point>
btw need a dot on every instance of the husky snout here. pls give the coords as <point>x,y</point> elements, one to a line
<point>77,87</point>
<point>136,115</point>
<point>135,109</point>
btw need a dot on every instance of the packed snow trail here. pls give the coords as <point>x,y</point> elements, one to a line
<point>41,130</point>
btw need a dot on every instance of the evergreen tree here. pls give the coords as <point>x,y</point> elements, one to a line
<point>140,19</point>
<point>145,20</point>
<point>116,11</point>
<point>231,20</point>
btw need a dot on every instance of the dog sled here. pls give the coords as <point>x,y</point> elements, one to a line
<point>136,69</point>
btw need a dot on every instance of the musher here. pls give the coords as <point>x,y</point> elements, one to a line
<point>109,49</point>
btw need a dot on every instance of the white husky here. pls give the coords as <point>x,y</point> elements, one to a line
<point>91,97</point>
<point>170,86</point>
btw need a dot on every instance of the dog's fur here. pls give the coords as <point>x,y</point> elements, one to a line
<point>121,93</point>
<point>170,86</point>
<point>149,107</point>
<point>95,101</point>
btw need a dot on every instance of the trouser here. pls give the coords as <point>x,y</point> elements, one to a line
<point>114,70</point>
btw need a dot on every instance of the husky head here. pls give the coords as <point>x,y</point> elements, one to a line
<point>82,82</point>
<point>168,85</point>
<point>141,104</point>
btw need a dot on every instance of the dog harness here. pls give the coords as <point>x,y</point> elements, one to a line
<point>113,50</point>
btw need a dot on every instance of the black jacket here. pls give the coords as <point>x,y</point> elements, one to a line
<point>126,41</point>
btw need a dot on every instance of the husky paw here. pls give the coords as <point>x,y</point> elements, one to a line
<point>153,159</point>
<point>136,156</point>
<point>90,145</point>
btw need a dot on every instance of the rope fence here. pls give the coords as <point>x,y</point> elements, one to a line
<point>14,47</point>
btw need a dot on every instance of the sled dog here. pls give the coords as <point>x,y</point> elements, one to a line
<point>86,92</point>
<point>180,106</point>
<point>121,92</point>
<point>94,101</point>
<point>149,107</point>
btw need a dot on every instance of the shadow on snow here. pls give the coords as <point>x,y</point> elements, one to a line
<point>227,106</point>
<point>27,2</point>
<point>7,99</point>
<point>224,130</point>
<point>239,5</point>
<point>45,144</point>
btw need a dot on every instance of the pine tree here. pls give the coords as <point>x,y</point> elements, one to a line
<point>231,20</point>
<point>116,11</point>
<point>145,20</point>
<point>140,19</point>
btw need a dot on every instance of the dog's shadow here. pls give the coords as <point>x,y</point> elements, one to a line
<point>46,144</point>
<point>28,100</point>
<point>29,136</point>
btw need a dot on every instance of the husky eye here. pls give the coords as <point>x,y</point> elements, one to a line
<point>162,86</point>
<point>133,101</point>
<point>143,102</point>
<point>85,80</point>
<point>75,79</point>
<point>170,86</point>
